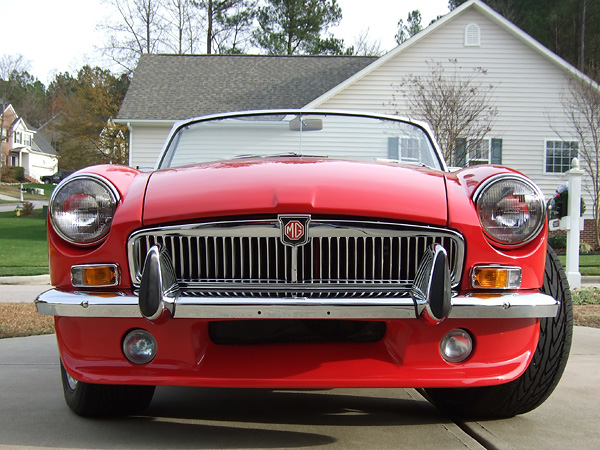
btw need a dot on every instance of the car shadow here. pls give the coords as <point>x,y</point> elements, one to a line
<point>332,407</point>
<point>183,417</point>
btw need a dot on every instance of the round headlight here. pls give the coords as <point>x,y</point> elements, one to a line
<point>511,209</point>
<point>82,208</point>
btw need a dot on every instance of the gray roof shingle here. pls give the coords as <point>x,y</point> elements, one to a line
<point>175,87</point>
<point>40,143</point>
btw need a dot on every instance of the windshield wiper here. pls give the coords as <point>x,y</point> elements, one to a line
<point>409,163</point>
<point>278,155</point>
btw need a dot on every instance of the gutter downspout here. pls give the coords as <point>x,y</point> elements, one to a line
<point>130,143</point>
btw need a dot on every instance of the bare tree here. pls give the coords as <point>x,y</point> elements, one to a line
<point>363,46</point>
<point>139,29</point>
<point>10,67</point>
<point>581,103</point>
<point>455,103</point>
<point>179,26</point>
<point>185,25</point>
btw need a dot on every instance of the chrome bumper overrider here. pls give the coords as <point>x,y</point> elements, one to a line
<point>431,299</point>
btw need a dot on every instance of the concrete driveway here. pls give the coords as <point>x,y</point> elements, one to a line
<point>15,201</point>
<point>33,413</point>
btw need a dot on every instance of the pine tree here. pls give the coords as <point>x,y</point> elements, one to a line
<point>288,27</point>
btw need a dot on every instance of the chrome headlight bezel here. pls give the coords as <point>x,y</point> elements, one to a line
<point>102,199</point>
<point>524,215</point>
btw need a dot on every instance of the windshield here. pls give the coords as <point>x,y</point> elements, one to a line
<point>340,136</point>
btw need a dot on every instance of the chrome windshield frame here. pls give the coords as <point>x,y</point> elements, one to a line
<point>178,126</point>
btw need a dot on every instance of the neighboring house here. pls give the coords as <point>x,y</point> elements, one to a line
<point>531,132</point>
<point>23,146</point>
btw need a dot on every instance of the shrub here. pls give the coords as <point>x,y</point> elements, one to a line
<point>17,173</point>
<point>585,248</point>
<point>27,208</point>
<point>558,242</point>
<point>8,175</point>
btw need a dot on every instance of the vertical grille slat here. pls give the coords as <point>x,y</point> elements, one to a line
<point>351,255</point>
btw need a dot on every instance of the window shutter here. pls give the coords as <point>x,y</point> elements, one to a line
<point>496,155</point>
<point>460,153</point>
<point>393,148</point>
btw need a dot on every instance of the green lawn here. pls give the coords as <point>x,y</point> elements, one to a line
<point>23,244</point>
<point>13,190</point>
<point>589,264</point>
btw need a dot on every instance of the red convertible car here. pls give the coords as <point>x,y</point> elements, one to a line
<point>305,249</point>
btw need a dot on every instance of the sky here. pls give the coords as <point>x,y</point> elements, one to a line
<point>61,35</point>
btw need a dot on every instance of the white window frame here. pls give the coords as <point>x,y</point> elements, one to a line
<point>562,141</point>
<point>472,35</point>
<point>476,151</point>
<point>409,150</point>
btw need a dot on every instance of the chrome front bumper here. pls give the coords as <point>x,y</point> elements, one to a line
<point>89,304</point>
<point>431,299</point>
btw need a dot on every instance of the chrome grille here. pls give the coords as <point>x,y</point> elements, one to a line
<point>343,258</point>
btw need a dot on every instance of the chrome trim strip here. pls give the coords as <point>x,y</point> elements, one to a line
<point>87,304</point>
<point>471,306</point>
<point>509,305</point>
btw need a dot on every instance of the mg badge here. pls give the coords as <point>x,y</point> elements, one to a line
<point>294,230</point>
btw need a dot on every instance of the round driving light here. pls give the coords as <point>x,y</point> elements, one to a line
<point>511,209</point>
<point>139,347</point>
<point>456,346</point>
<point>82,208</point>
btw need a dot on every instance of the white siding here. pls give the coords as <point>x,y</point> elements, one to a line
<point>146,143</point>
<point>42,164</point>
<point>528,88</point>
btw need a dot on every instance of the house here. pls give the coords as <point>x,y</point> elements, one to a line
<point>23,146</point>
<point>530,133</point>
<point>168,88</point>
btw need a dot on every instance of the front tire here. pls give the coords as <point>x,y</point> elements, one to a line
<point>542,375</point>
<point>104,400</point>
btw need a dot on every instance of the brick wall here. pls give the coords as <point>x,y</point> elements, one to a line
<point>588,235</point>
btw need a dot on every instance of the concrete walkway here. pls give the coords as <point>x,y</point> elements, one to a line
<point>37,204</point>
<point>33,414</point>
<point>23,289</point>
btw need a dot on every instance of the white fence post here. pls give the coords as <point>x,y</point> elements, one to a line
<point>574,211</point>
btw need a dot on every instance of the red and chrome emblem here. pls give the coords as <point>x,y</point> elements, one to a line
<point>294,230</point>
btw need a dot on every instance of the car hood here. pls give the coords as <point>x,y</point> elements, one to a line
<point>296,185</point>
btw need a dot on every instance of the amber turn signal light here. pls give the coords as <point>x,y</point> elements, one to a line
<point>496,277</point>
<point>95,275</point>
